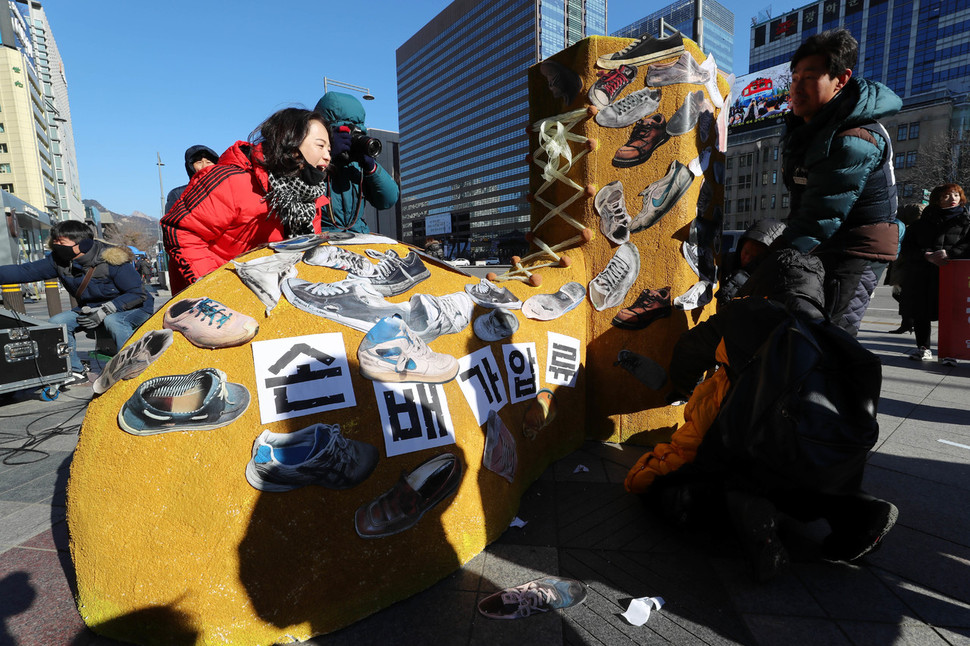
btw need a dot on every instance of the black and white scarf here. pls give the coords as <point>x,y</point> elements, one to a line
<point>293,201</point>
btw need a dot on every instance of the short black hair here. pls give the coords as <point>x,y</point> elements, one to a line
<point>281,135</point>
<point>73,230</point>
<point>837,46</point>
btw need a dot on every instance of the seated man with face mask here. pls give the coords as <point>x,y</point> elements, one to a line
<point>101,278</point>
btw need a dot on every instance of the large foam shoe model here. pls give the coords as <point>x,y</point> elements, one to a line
<point>315,455</point>
<point>392,353</point>
<point>340,259</point>
<point>433,316</point>
<point>263,275</point>
<point>651,304</point>
<point>660,197</point>
<point>402,506</point>
<point>648,135</point>
<point>610,286</point>
<point>133,359</point>
<point>609,85</point>
<point>351,302</point>
<point>499,456</point>
<point>629,109</point>
<point>611,206</point>
<point>699,295</point>
<point>546,307</point>
<point>685,69</point>
<point>647,371</point>
<point>395,275</point>
<point>644,50</point>
<point>541,595</point>
<point>209,324</point>
<point>496,325</point>
<point>487,294</point>
<point>199,401</point>
<point>686,116</point>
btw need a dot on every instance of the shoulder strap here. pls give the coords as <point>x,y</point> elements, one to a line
<point>84,283</point>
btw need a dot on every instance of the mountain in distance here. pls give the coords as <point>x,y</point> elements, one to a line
<point>138,228</point>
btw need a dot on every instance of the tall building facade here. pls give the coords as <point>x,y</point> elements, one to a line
<point>463,110</point>
<point>913,46</point>
<point>717,26</point>
<point>37,161</point>
<point>919,48</point>
<point>50,69</point>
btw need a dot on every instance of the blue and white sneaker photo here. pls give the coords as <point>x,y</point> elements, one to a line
<point>391,352</point>
<point>316,455</point>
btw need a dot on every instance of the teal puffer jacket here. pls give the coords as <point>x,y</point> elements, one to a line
<point>826,171</point>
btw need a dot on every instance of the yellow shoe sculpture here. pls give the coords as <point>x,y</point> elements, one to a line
<point>343,459</point>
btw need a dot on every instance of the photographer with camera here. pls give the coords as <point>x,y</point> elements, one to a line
<point>354,176</point>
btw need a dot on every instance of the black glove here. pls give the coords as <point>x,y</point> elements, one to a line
<point>93,316</point>
<point>340,143</point>
<point>369,164</point>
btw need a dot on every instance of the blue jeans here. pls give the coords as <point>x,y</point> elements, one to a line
<point>120,325</point>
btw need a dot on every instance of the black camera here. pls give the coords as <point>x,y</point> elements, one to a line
<point>360,145</point>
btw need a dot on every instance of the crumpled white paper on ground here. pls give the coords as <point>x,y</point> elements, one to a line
<point>639,610</point>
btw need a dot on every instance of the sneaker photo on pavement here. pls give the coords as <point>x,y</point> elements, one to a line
<point>315,455</point>
<point>209,324</point>
<point>391,352</point>
<point>541,595</point>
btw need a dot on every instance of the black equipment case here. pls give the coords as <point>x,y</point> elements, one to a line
<point>33,353</point>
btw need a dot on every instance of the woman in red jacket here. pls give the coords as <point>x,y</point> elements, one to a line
<point>267,189</point>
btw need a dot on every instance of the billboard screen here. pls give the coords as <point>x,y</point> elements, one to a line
<point>760,98</point>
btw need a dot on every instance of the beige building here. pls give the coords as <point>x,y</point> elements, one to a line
<point>26,159</point>
<point>923,134</point>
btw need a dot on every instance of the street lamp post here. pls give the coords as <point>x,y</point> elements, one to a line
<point>349,86</point>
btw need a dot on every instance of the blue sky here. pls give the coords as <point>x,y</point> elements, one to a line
<point>147,78</point>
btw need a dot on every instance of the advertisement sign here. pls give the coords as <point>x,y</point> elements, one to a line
<point>437,225</point>
<point>761,98</point>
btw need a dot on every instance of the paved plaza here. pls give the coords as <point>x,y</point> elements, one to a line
<point>582,524</point>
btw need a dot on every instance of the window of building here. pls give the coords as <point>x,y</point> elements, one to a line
<point>744,181</point>
<point>3,148</point>
<point>764,155</point>
<point>6,187</point>
<point>784,200</point>
<point>914,130</point>
<point>727,206</point>
<point>764,201</point>
<point>900,160</point>
<point>764,178</point>
<point>5,168</point>
<point>774,177</point>
<point>910,159</point>
<point>901,132</point>
<point>774,155</point>
<point>730,162</point>
<point>773,196</point>
<point>741,205</point>
<point>1,127</point>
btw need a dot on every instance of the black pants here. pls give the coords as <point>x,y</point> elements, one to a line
<point>843,283</point>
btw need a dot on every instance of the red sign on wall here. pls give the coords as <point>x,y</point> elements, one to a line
<point>955,310</point>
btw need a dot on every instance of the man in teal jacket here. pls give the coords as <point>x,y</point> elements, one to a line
<point>838,168</point>
<point>353,176</point>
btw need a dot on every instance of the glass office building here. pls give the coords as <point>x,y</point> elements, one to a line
<point>914,47</point>
<point>718,23</point>
<point>463,110</point>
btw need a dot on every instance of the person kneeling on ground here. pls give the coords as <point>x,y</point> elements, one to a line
<point>751,248</point>
<point>716,471</point>
<point>99,276</point>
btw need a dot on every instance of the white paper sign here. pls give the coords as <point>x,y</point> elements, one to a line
<point>639,610</point>
<point>414,417</point>
<point>301,375</point>
<point>481,383</point>
<point>523,371</point>
<point>562,360</point>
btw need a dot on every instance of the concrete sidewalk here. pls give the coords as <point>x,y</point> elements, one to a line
<point>582,524</point>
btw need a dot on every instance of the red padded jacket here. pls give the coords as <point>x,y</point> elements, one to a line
<point>221,214</point>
